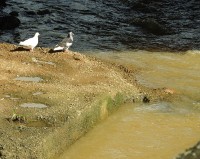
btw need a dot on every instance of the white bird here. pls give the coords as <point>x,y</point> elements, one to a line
<point>65,43</point>
<point>31,43</point>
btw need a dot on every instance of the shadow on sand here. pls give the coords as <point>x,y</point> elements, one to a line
<point>20,49</point>
<point>51,51</point>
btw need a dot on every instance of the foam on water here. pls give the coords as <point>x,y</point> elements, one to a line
<point>155,107</point>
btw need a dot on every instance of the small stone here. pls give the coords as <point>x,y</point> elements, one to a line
<point>145,100</point>
<point>198,146</point>
<point>169,91</point>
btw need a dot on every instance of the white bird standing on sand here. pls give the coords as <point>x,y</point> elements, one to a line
<point>65,43</point>
<point>31,43</point>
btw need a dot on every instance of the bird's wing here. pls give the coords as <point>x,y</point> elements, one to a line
<point>28,41</point>
<point>58,48</point>
<point>64,41</point>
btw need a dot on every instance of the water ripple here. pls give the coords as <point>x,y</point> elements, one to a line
<point>104,25</point>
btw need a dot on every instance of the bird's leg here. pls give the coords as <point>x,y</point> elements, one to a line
<point>65,50</point>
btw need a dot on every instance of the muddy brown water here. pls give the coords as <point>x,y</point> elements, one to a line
<point>155,130</point>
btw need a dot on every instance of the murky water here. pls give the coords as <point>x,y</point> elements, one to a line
<point>133,134</point>
<point>178,71</point>
<point>155,130</point>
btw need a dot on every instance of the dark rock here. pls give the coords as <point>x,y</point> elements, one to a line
<point>14,13</point>
<point>145,100</point>
<point>1,147</point>
<point>2,3</point>
<point>31,13</point>
<point>144,7</point>
<point>191,153</point>
<point>152,26</point>
<point>8,21</point>
<point>43,12</point>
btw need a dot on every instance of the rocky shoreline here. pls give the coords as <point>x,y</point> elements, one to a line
<point>190,153</point>
<point>48,101</point>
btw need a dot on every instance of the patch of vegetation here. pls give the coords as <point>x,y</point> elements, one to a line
<point>17,118</point>
<point>114,104</point>
<point>91,118</point>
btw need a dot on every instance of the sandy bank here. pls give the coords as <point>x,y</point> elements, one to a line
<point>48,101</point>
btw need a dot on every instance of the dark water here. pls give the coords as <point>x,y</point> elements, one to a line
<point>107,25</point>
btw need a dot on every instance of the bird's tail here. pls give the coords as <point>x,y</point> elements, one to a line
<point>58,48</point>
<point>21,43</point>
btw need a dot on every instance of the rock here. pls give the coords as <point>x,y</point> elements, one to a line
<point>1,147</point>
<point>144,7</point>
<point>191,153</point>
<point>30,13</point>
<point>146,99</point>
<point>2,3</point>
<point>43,12</point>
<point>152,26</point>
<point>8,21</point>
<point>14,13</point>
<point>169,91</point>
